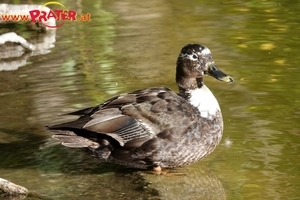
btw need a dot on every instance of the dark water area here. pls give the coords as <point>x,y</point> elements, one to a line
<point>130,45</point>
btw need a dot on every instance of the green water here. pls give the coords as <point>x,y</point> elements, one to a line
<point>130,45</point>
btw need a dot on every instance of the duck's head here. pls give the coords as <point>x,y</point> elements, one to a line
<point>194,62</point>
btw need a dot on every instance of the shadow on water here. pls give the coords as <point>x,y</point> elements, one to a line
<point>58,173</point>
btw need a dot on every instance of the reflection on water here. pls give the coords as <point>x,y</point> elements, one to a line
<point>130,45</point>
<point>193,182</point>
<point>14,56</point>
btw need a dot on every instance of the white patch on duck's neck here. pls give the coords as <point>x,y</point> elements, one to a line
<point>203,99</point>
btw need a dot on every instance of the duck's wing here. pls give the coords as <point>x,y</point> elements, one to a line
<point>131,118</point>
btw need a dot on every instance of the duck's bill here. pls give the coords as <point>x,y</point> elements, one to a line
<point>215,72</point>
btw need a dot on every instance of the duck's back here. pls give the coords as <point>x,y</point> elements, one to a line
<point>142,129</point>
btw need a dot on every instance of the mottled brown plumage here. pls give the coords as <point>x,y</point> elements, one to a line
<point>154,127</point>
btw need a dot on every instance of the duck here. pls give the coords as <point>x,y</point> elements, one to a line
<point>154,128</point>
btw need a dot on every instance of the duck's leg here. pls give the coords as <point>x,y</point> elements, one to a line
<point>157,169</point>
<point>167,172</point>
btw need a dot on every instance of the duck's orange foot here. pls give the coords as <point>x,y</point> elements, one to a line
<point>157,169</point>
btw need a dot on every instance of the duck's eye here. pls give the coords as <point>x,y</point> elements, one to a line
<point>194,56</point>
